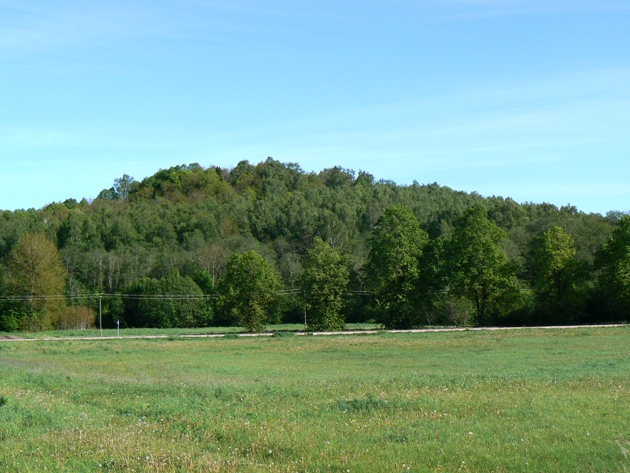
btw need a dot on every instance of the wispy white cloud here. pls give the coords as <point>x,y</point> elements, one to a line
<point>45,26</point>
<point>39,25</point>
<point>502,120</point>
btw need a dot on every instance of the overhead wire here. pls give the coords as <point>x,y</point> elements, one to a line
<point>39,297</point>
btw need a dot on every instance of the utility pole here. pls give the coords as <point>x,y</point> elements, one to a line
<point>100,312</point>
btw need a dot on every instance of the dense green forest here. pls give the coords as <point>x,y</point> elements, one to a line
<point>256,244</point>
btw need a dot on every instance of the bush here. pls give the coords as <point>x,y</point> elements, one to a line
<point>77,317</point>
<point>173,301</point>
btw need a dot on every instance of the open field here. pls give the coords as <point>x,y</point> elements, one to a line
<point>522,400</point>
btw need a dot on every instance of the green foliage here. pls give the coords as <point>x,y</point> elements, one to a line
<point>173,301</point>
<point>614,263</point>
<point>323,284</point>
<point>559,284</point>
<point>204,281</point>
<point>9,318</point>
<point>337,177</point>
<point>439,306</point>
<point>120,190</point>
<point>478,268</point>
<point>191,219</point>
<point>247,291</point>
<point>36,279</point>
<point>393,267</point>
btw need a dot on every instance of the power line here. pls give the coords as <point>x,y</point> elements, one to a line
<point>91,296</point>
<point>109,296</point>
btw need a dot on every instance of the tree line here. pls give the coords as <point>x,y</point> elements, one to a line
<point>256,244</point>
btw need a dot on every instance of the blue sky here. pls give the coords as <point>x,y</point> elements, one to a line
<point>520,98</point>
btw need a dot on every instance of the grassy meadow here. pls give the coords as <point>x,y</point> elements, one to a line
<point>522,400</point>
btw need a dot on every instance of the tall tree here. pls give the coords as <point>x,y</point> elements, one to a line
<point>614,262</point>
<point>121,189</point>
<point>478,267</point>
<point>559,287</point>
<point>393,267</point>
<point>323,283</point>
<point>36,278</point>
<point>439,305</point>
<point>247,291</point>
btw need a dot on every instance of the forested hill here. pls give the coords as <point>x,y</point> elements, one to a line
<point>189,220</point>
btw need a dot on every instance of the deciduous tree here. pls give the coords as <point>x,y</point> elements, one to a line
<point>36,278</point>
<point>323,283</point>
<point>393,267</point>
<point>247,290</point>
<point>614,262</point>
<point>559,286</point>
<point>478,267</point>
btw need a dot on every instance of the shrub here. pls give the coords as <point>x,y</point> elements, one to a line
<point>77,317</point>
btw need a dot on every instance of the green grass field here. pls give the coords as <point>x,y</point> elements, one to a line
<point>523,400</point>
